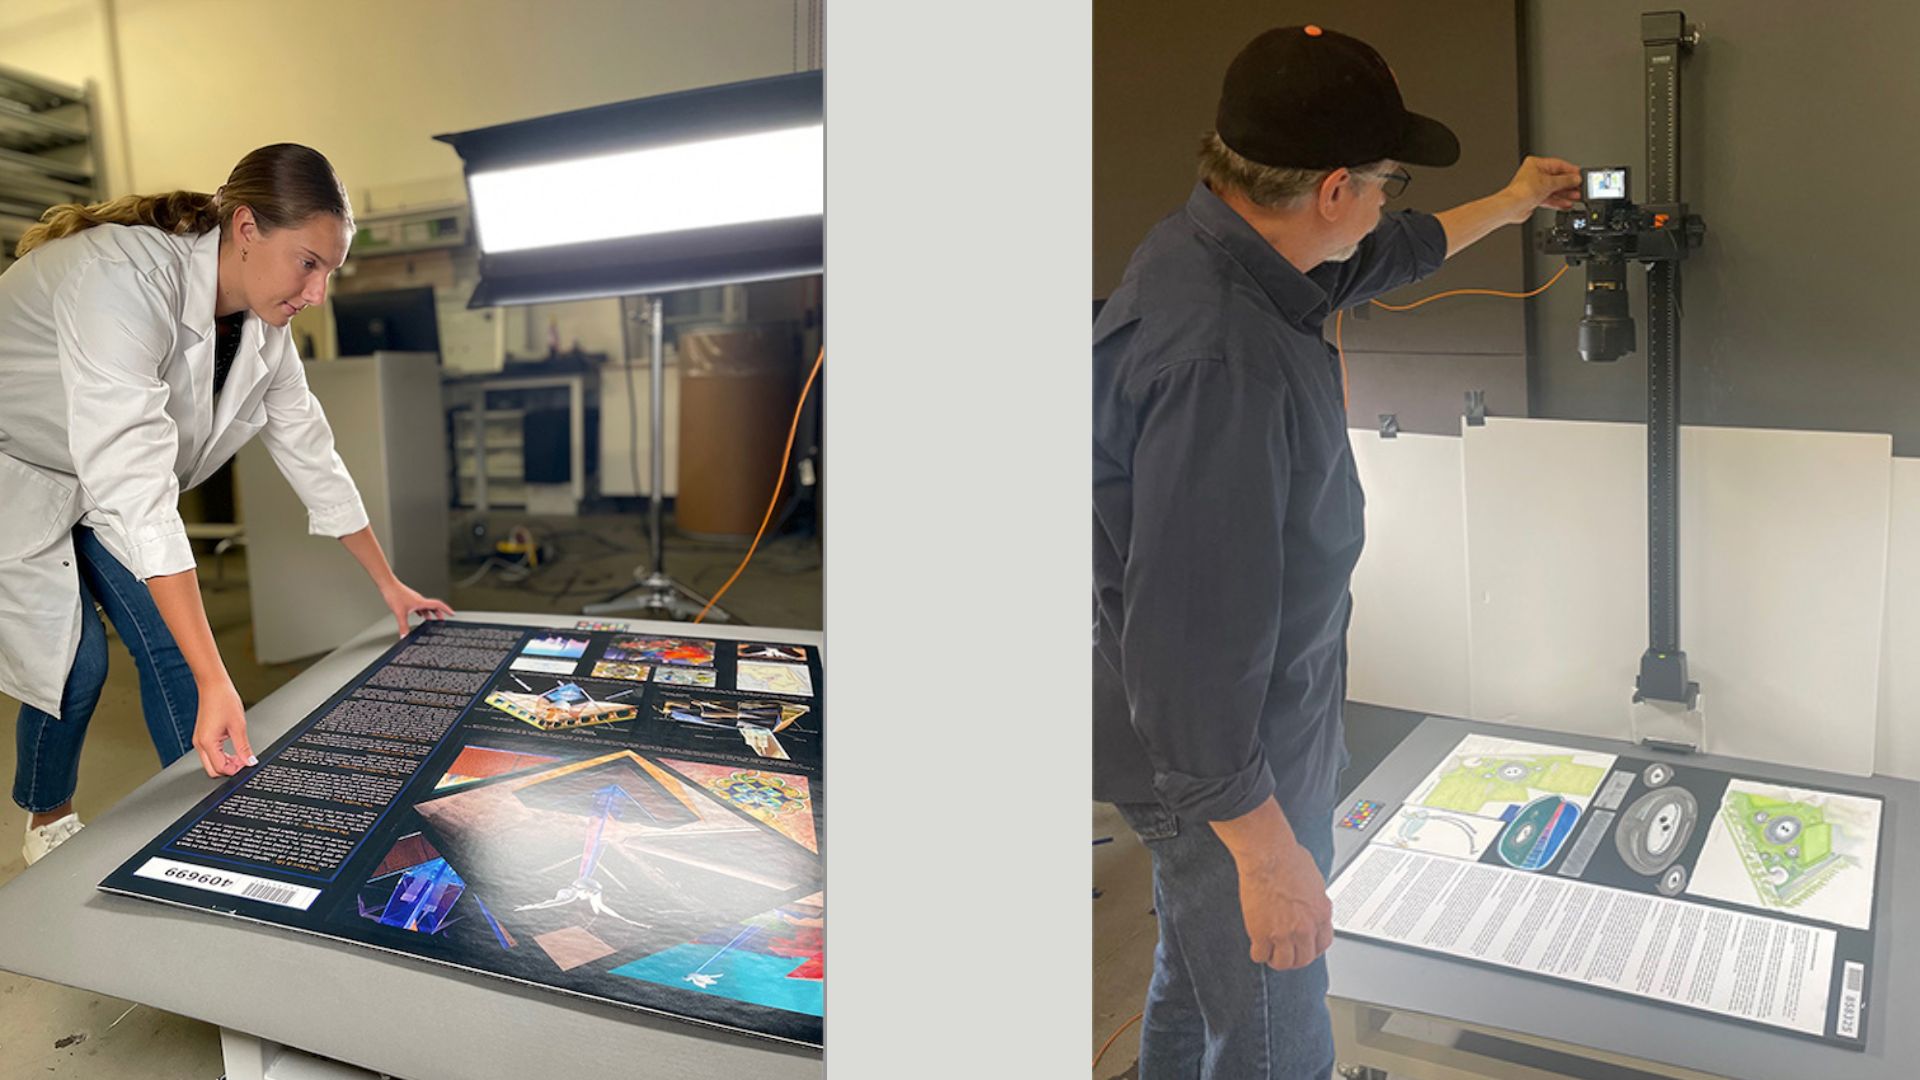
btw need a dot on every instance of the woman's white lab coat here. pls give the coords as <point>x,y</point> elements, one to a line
<point>107,413</point>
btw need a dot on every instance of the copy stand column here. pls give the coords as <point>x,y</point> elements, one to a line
<point>1667,710</point>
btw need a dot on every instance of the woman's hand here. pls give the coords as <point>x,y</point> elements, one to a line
<point>403,601</point>
<point>222,717</point>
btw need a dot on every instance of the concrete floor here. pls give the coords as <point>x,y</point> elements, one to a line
<point>50,1032</point>
<point>1124,929</point>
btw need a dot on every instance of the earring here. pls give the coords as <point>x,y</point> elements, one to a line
<point>243,254</point>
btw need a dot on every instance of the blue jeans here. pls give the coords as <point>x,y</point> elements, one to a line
<point>48,767</point>
<point>1212,1013</point>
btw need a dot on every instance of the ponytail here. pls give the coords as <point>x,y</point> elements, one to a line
<point>177,212</point>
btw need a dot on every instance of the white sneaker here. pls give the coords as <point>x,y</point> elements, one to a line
<point>49,836</point>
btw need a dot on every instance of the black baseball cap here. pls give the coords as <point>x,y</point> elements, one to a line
<point>1300,97</point>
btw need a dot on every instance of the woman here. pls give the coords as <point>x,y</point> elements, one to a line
<point>143,341</point>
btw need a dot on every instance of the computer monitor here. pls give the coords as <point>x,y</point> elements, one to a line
<point>392,320</point>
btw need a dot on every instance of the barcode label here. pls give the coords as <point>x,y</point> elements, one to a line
<point>1852,983</point>
<point>229,882</point>
<point>273,894</point>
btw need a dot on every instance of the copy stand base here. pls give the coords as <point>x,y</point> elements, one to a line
<point>1669,725</point>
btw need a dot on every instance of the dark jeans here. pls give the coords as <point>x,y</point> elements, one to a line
<point>48,768</point>
<point>1212,1013</point>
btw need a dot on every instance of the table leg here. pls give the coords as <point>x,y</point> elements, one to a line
<point>250,1058</point>
<point>1361,1041</point>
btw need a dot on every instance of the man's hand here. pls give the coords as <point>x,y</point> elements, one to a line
<point>1541,182</point>
<point>404,601</point>
<point>1284,901</point>
<point>1548,182</point>
<point>1283,898</point>
<point>222,717</point>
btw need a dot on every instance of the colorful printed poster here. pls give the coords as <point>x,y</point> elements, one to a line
<point>557,645</point>
<point>562,821</point>
<point>763,678</point>
<point>792,654</point>
<point>620,669</point>
<point>661,650</point>
<point>1792,850</point>
<point>1495,778</point>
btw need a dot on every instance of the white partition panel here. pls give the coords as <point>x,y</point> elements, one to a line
<point>1783,574</point>
<point>1783,590</point>
<point>1556,571</point>
<point>1899,752</point>
<point>1407,646</point>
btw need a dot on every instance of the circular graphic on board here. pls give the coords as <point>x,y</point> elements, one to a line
<point>1536,833</point>
<point>1653,831</point>
<point>1657,774</point>
<point>1674,880</point>
<point>1783,829</point>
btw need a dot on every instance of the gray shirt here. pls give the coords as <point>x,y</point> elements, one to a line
<point>1227,516</point>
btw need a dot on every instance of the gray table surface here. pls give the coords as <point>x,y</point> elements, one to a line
<point>394,1014</point>
<point>1397,978</point>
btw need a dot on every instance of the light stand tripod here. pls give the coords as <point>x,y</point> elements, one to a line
<point>656,593</point>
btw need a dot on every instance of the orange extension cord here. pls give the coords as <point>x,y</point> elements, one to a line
<point>1110,1039</point>
<point>1339,318</point>
<point>778,483</point>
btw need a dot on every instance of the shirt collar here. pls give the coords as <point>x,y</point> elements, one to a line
<point>203,282</point>
<point>1295,294</point>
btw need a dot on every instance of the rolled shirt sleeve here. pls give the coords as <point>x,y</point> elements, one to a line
<point>1203,582</point>
<point>114,326</point>
<point>300,441</point>
<point>1406,246</point>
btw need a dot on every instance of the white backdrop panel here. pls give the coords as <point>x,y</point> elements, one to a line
<point>1556,571</point>
<point>1899,753</point>
<point>1783,541</point>
<point>1407,646</point>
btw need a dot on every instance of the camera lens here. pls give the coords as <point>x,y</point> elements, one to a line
<point>1606,327</point>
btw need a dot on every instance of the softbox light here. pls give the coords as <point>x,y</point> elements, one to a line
<point>718,185</point>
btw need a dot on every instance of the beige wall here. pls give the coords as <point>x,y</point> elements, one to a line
<point>66,40</point>
<point>370,82</point>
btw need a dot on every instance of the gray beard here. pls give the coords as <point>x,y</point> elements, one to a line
<point>1344,253</point>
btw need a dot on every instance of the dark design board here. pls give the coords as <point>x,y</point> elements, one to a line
<point>470,801</point>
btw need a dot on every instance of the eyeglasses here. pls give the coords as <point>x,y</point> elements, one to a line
<point>1395,182</point>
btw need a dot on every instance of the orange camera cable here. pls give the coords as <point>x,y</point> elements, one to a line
<point>779,482</point>
<point>1339,318</point>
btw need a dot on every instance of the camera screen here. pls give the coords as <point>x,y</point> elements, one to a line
<point>1606,184</point>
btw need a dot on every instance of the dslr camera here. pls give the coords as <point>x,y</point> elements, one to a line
<point>1605,233</point>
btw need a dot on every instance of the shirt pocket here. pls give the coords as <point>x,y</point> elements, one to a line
<point>34,508</point>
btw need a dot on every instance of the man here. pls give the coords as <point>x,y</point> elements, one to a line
<point>1227,522</point>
